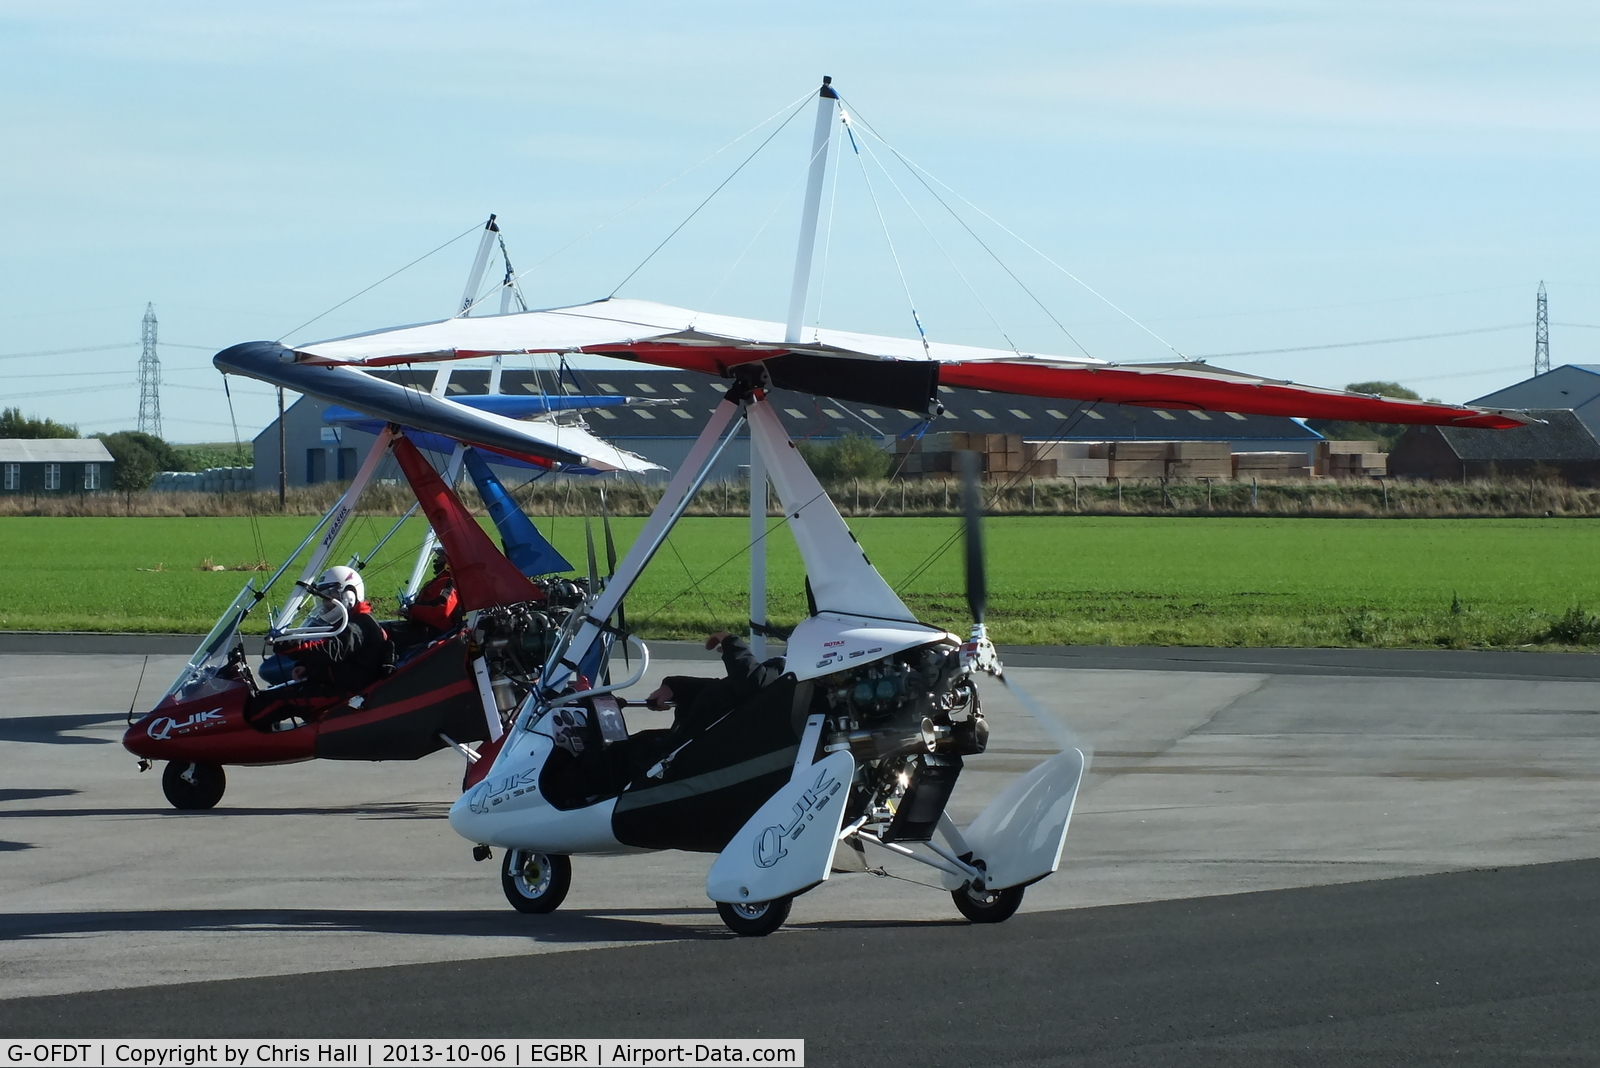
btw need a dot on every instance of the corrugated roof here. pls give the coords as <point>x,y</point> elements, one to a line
<point>53,451</point>
<point>1562,436</point>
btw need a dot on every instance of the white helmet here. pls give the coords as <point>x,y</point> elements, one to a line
<point>342,584</point>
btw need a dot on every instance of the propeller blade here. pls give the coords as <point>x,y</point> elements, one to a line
<point>972,506</point>
<point>1058,732</point>
<point>594,569</point>
<point>611,565</point>
<point>611,545</point>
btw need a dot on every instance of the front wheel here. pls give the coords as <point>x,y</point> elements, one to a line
<point>757,918</point>
<point>988,906</point>
<point>192,786</point>
<point>535,882</point>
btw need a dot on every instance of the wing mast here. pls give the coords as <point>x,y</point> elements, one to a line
<point>821,140</point>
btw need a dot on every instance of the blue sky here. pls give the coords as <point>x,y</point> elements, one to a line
<point>1237,176</point>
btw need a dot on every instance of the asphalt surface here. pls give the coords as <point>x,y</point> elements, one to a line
<point>1486,967</point>
<point>1417,829</point>
<point>1370,663</point>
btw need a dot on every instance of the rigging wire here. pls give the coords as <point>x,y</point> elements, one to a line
<point>1024,242</point>
<point>474,228</point>
<point>633,477</point>
<point>923,334</point>
<point>959,273</point>
<point>250,504</point>
<point>782,200</point>
<point>985,246</point>
<point>1064,428</point>
<point>800,100</point>
<point>508,281</point>
<point>709,197</point>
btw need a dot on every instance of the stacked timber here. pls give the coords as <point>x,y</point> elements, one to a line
<point>1200,459</point>
<point>1001,457</point>
<point>1351,459</point>
<point>1270,466</point>
<point>1139,459</point>
<point>1072,459</point>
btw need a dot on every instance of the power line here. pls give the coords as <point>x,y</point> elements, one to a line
<point>1374,341</point>
<point>67,352</point>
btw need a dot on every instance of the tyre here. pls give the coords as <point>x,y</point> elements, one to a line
<point>757,918</point>
<point>988,906</point>
<point>535,882</point>
<point>192,786</point>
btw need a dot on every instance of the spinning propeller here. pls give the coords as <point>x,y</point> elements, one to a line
<point>611,561</point>
<point>979,652</point>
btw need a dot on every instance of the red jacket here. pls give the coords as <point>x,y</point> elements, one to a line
<point>437,605</point>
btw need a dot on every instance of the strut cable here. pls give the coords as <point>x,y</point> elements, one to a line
<point>710,196</point>
<point>917,169</point>
<point>940,246</point>
<point>923,334</point>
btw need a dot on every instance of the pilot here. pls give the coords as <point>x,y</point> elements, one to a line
<point>436,606</point>
<point>698,703</point>
<point>330,668</point>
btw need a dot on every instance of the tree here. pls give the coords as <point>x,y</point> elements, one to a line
<point>140,457</point>
<point>13,424</point>
<point>849,456</point>
<point>1384,389</point>
<point>1386,434</point>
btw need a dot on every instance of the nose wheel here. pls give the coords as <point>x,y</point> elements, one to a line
<point>988,906</point>
<point>191,786</point>
<point>756,918</point>
<point>535,882</point>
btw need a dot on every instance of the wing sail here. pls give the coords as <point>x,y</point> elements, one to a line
<point>393,403</point>
<point>524,545</point>
<point>869,367</point>
<point>484,577</point>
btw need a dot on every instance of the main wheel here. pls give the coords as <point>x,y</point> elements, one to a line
<point>535,882</point>
<point>757,918</point>
<point>988,906</point>
<point>193,786</point>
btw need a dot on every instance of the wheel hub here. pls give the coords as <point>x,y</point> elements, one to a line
<point>533,876</point>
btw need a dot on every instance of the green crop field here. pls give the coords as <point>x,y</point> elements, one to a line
<point>1091,579</point>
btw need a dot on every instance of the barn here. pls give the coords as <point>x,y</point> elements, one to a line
<point>1560,446</point>
<point>37,466</point>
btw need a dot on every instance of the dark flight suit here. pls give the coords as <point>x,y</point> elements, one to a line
<point>701,702</point>
<point>336,668</point>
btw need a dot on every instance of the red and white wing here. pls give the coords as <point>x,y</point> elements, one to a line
<point>896,372</point>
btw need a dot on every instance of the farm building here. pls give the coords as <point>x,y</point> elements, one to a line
<point>663,434</point>
<point>54,465</point>
<point>1573,385</point>
<point>1562,446</point>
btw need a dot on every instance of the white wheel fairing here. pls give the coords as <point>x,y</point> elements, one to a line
<point>1020,835</point>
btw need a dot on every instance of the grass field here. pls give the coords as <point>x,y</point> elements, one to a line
<point>1052,579</point>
